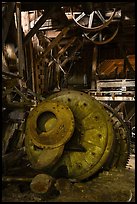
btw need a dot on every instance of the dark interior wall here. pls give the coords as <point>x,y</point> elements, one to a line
<point>114,51</point>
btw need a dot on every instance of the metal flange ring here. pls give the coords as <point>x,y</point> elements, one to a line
<point>42,158</point>
<point>50,124</point>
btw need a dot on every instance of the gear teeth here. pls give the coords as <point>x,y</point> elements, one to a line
<point>121,153</point>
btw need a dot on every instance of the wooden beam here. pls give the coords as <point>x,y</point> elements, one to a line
<point>16,179</point>
<point>19,40</point>
<point>10,74</point>
<point>39,23</point>
<point>61,52</point>
<point>54,42</point>
<point>72,54</point>
<point>120,106</point>
<point>130,114</point>
<point>66,46</point>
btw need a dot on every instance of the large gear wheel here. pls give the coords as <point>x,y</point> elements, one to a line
<point>93,132</point>
<point>97,138</point>
<point>121,153</point>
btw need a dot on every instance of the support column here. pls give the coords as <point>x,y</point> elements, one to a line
<point>6,21</point>
<point>21,59</point>
<point>94,67</point>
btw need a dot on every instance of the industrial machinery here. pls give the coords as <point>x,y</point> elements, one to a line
<point>58,76</point>
<point>72,133</point>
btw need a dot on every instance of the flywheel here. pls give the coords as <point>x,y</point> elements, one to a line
<point>91,143</point>
<point>71,134</point>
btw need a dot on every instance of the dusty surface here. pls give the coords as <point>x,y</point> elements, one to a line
<point>109,186</point>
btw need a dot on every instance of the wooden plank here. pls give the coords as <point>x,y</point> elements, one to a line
<point>115,98</point>
<point>16,179</point>
<point>25,22</point>
<point>116,84</point>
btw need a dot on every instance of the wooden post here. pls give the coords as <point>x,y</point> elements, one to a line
<point>94,67</point>
<point>19,40</point>
<point>42,183</point>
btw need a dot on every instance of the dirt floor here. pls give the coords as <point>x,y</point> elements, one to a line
<point>109,186</point>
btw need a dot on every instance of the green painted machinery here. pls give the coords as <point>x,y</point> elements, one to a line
<point>71,134</point>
